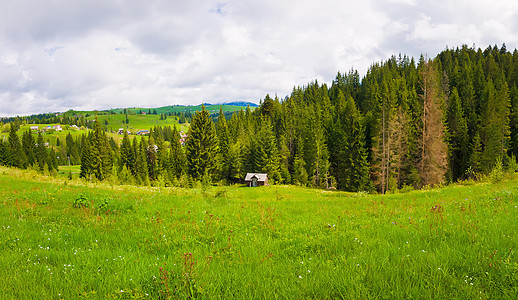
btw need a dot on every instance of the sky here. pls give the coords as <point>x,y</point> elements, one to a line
<point>57,55</point>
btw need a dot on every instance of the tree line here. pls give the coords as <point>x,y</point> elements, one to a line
<point>404,124</point>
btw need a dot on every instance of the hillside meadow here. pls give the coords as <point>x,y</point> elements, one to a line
<point>137,123</point>
<point>70,239</point>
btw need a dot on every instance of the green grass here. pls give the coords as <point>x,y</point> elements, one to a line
<point>138,122</point>
<point>65,171</point>
<point>269,242</point>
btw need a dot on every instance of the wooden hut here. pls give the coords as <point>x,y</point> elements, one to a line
<point>256,179</point>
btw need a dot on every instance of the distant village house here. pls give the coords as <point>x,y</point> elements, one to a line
<point>183,138</point>
<point>121,131</point>
<point>256,179</point>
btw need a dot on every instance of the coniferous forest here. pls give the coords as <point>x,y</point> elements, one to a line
<point>406,123</point>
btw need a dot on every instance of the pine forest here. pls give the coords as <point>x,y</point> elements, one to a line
<point>405,124</point>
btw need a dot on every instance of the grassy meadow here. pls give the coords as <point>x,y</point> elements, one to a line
<point>70,239</point>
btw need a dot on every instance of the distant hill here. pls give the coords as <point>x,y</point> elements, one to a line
<point>212,108</point>
<point>241,103</point>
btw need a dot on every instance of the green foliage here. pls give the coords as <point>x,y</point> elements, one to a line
<point>81,201</point>
<point>512,166</point>
<point>17,157</point>
<point>457,138</point>
<point>201,145</point>
<point>497,174</point>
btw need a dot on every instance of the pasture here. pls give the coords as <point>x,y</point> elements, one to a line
<point>68,239</point>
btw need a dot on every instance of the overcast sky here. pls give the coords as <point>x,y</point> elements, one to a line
<point>57,55</point>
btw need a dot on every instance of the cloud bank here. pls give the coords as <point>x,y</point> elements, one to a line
<point>89,54</point>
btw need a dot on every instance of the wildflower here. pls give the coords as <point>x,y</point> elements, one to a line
<point>300,276</point>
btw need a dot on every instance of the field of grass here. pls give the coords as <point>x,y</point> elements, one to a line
<point>67,239</point>
<point>66,171</point>
<point>115,121</point>
<point>137,122</point>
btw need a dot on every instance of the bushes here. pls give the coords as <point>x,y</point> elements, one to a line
<point>81,202</point>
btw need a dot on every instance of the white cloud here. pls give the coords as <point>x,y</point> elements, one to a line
<point>97,54</point>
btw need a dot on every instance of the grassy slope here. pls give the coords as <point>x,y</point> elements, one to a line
<point>234,242</point>
<point>136,121</point>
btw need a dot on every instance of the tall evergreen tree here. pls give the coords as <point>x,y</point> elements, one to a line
<point>176,161</point>
<point>127,155</point>
<point>224,157</point>
<point>18,157</point>
<point>73,153</point>
<point>40,153</point>
<point>100,153</point>
<point>348,155</point>
<point>494,132</point>
<point>433,146</point>
<point>86,168</point>
<point>5,153</point>
<point>28,145</point>
<point>201,145</point>
<point>457,138</point>
<point>355,163</point>
<point>141,167</point>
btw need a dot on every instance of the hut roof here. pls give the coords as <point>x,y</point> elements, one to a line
<point>259,176</point>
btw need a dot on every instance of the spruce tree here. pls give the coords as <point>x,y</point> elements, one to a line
<point>300,175</point>
<point>52,162</point>
<point>346,145</point>
<point>176,159</point>
<point>5,153</point>
<point>432,167</point>
<point>474,166</point>
<point>28,145</point>
<point>40,153</point>
<point>73,152</point>
<point>201,145</point>
<point>224,162</point>
<point>355,157</point>
<point>152,158</point>
<point>18,157</point>
<point>100,153</point>
<point>86,168</point>
<point>457,138</point>
<point>141,168</point>
<point>126,154</point>
<point>494,131</point>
